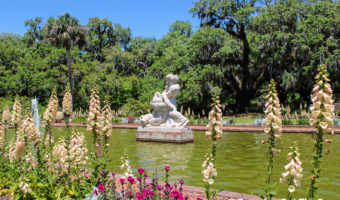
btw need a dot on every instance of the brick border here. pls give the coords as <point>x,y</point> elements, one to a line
<point>193,192</point>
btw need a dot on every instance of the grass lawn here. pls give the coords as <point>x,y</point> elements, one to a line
<point>243,119</point>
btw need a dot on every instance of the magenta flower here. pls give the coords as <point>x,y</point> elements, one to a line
<point>138,196</point>
<point>146,176</point>
<point>101,188</point>
<point>175,193</point>
<point>150,193</point>
<point>113,174</point>
<point>181,181</point>
<point>198,198</point>
<point>131,180</point>
<point>144,193</point>
<point>130,119</point>
<point>95,192</point>
<point>122,181</point>
<point>138,179</point>
<point>158,187</point>
<point>167,168</point>
<point>141,170</point>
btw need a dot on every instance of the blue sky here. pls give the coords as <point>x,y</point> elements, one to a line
<point>145,17</point>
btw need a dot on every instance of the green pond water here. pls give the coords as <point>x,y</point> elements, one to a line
<point>240,162</point>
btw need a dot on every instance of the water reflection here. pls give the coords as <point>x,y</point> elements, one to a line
<point>154,156</point>
<point>240,162</point>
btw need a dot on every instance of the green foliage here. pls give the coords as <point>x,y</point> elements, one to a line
<point>134,108</point>
<point>103,35</point>
<point>182,27</point>
<point>303,121</point>
<point>240,46</point>
<point>35,30</point>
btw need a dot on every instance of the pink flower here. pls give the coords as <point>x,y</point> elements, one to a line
<point>130,119</point>
<point>101,188</point>
<point>95,192</point>
<point>141,170</point>
<point>198,198</point>
<point>138,196</point>
<point>131,180</point>
<point>150,193</point>
<point>175,193</point>
<point>122,181</point>
<point>167,168</point>
<point>181,181</point>
<point>146,176</point>
<point>158,187</point>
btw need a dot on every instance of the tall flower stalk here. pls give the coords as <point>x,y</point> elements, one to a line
<point>16,114</point>
<point>49,117</point>
<point>72,155</point>
<point>126,167</point>
<point>30,131</point>
<point>67,106</point>
<point>273,127</point>
<point>322,118</point>
<point>16,148</point>
<point>2,136</point>
<point>214,133</point>
<point>6,116</point>
<point>67,110</point>
<point>78,149</point>
<point>214,126</point>
<point>106,123</point>
<point>94,121</point>
<point>293,174</point>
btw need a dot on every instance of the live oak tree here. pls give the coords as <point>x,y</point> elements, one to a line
<point>285,40</point>
<point>35,30</point>
<point>184,27</point>
<point>233,17</point>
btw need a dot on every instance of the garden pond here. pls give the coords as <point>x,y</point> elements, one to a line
<point>240,162</point>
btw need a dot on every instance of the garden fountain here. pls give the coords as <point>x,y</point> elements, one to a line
<point>35,113</point>
<point>166,124</point>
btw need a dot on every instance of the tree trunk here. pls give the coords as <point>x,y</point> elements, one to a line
<point>69,69</point>
<point>242,102</point>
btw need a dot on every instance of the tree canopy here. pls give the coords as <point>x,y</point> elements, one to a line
<point>239,47</point>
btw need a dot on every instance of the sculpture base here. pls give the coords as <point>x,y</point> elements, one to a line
<point>165,134</point>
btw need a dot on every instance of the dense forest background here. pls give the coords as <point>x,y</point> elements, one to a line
<point>239,47</point>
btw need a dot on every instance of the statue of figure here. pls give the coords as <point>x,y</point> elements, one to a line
<point>165,106</point>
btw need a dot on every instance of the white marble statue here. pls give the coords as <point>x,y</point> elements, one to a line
<point>165,107</point>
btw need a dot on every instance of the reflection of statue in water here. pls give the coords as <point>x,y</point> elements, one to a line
<point>165,107</point>
<point>152,157</point>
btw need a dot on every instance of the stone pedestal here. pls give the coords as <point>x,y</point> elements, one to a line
<point>165,134</point>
